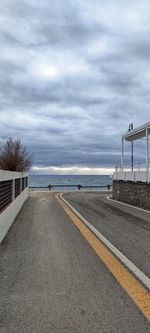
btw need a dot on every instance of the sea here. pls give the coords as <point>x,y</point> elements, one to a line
<point>42,181</point>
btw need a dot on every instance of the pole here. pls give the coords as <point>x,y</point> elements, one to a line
<point>132,161</point>
<point>122,154</point>
<point>132,149</point>
<point>132,155</point>
<point>147,154</point>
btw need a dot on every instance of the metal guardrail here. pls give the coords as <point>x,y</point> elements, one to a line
<point>5,194</point>
<point>17,187</point>
<point>24,183</point>
<point>78,186</point>
<point>10,189</point>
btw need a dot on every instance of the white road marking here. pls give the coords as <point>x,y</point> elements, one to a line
<point>134,269</point>
<point>125,204</point>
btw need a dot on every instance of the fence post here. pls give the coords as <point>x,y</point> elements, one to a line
<point>20,185</point>
<point>13,190</point>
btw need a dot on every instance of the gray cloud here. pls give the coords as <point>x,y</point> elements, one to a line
<point>73,75</point>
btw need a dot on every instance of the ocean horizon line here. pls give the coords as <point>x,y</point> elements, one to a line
<point>87,175</point>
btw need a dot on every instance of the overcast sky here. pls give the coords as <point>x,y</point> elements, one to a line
<point>73,75</point>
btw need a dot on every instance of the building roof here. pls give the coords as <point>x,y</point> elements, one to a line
<point>137,133</point>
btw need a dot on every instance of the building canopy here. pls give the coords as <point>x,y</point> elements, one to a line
<point>137,133</point>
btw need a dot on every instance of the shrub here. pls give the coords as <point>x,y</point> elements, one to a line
<point>14,156</point>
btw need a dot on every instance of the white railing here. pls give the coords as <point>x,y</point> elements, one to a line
<point>139,171</point>
<point>137,166</point>
<point>13,193</point>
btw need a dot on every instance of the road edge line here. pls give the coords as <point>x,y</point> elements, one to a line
<point>127,263</point>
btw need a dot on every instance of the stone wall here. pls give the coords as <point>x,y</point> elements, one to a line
<point>135,193</point>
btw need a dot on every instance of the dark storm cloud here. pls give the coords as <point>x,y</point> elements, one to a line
<point>73,75</point>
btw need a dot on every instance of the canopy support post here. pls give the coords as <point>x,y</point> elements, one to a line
<point>122,155</point>
<point>147,154</point>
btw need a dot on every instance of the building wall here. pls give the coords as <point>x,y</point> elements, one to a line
<point>135,193</point>
<point>8,216</point>
<point>10,210</point>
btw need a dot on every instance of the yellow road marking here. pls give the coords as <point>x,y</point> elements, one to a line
<point>130,284</point>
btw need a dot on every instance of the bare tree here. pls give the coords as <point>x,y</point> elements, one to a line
<point>14,156</point>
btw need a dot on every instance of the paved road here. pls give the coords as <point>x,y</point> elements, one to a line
<point>52,281</point>
<point>125,227</point>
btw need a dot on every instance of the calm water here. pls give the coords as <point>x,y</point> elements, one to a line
<point>40,180</point>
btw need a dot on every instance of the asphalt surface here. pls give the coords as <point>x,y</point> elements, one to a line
<point>52,281</point>
<point>125,227</point>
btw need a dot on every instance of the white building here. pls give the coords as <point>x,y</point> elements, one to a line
<point>131,182</point>
<point>138,171</point>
